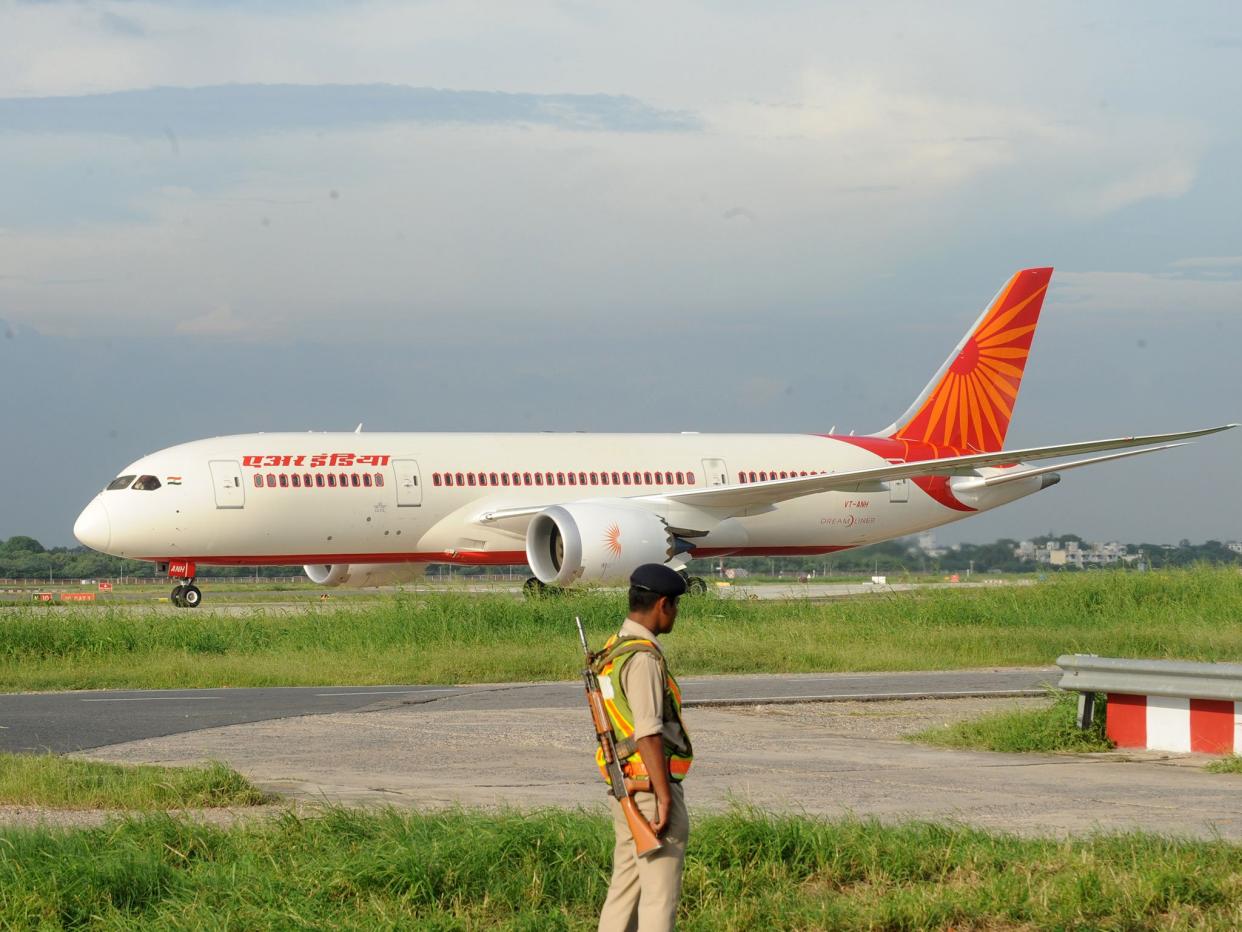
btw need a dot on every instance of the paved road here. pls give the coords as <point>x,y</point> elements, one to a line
<point>75,721</point>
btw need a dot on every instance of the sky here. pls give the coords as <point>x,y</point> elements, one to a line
<point>228,217</point>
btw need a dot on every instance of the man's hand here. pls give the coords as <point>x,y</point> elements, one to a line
<point>664,805</point>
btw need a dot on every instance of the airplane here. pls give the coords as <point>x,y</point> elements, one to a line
<point>370,509</point>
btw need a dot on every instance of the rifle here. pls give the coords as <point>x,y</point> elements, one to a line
<point>646,842</point>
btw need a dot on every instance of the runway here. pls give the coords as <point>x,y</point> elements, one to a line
<point>75,721</point>
<point>226,596</point>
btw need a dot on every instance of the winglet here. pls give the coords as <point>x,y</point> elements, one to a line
<point>969,401</point>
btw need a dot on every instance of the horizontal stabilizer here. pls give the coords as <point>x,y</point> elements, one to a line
<point>1059,467</point>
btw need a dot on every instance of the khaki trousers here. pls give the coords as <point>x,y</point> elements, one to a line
<point>644,891</point>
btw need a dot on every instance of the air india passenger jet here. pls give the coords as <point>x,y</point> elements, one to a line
<point>365,509</point>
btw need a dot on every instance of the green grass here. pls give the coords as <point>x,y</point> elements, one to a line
<point>1230,764</point>
<point>457,637</point>
<point>1025,731</point>
<point>549,870</point>
<point>64,783</point>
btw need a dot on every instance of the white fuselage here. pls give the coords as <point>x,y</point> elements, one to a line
<point>235,500</point>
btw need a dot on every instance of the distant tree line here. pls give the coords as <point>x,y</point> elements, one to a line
<point>25,558</point>
<point>902,556</point>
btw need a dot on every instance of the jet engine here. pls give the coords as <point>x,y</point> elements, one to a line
<point>589,542</point>
<point>360,575</point>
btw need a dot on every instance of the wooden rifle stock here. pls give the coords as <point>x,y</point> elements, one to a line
<point>646,841</point>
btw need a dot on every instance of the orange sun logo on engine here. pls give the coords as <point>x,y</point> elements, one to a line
<point>612,540</point>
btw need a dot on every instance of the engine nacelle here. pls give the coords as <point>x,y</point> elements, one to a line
<point>589,542</point>
<point>360,575</point>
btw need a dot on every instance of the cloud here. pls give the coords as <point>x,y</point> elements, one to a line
<point>879,140</point>
<point>1162,294</point>
<point>240,109</point>
<point>1227,263</point>
<point>1163,181</point>
<point>760,390</point>
<point>946,154</point>
<point>218,322</point>
<point>121,25</point>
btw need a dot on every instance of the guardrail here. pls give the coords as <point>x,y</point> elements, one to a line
<point>1169,705</point>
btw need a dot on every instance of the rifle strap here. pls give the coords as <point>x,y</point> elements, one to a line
<point>629,645</point>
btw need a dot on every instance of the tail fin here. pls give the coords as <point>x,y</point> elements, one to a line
<point>969,401</point>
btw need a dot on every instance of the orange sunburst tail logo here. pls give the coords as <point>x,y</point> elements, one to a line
<point>968,404</point>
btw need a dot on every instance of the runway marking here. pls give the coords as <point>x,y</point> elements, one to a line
<point>154,699</point>
<point>392,692</point>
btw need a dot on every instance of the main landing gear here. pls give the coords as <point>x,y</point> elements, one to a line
<point>535,588</point>
<point>695,585</point>
<point>186,595</point>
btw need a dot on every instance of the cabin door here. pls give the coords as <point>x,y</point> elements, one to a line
<point>226,477</point>
<point>409,487</point>
<point>716,472</point>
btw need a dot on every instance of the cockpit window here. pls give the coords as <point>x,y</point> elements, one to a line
<point>120,482</point>
<point>146,484</point>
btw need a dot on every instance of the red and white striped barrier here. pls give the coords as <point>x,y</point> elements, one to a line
<point>1167,723</point>
<point>1163,705</point>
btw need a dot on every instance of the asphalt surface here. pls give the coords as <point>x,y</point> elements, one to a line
<point>77,721</point>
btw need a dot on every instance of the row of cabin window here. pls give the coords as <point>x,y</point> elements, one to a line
<point>667,477</point>
<point>319,480</point>
<point>764,475</point>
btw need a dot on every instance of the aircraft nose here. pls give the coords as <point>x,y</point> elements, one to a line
<point>93,528</point>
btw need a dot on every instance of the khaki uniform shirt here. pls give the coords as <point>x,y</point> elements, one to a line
<point>644,690</point>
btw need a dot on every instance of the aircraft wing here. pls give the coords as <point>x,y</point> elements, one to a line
<point>759,494</point>
<point>513,520</point>
<point>738,498</point>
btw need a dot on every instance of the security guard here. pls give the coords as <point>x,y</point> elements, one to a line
<point>644,703</point>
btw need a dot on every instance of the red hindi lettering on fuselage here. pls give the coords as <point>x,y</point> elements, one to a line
<point>270,460</point>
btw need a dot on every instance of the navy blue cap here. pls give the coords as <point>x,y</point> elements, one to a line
<point>657,578</point>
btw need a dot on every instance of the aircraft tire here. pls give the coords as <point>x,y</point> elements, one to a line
<point>175,598</point>
<point>696,585</point>
<point>191,597</point>
<point>534,588</point>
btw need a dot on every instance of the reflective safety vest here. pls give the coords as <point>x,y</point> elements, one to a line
<point>612,660</point>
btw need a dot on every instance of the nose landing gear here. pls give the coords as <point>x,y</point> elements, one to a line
<point>185,594</point>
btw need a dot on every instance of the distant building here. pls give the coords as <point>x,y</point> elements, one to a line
<point>1234,545</point>
<point>1073,553</point>
<point>926,543</point>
